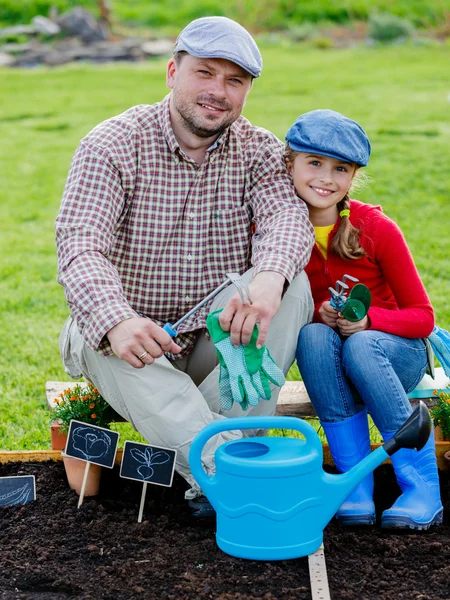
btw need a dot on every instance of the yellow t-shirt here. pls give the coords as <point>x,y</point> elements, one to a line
<point>322,234</point>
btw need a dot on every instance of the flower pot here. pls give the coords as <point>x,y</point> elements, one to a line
<point>447,459</point>
<point>58,439</point>
<point>75,472</point>
<point>438,435</point>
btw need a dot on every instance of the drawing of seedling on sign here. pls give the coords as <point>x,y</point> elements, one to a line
<point>148,464</point>
<point>148,458</point>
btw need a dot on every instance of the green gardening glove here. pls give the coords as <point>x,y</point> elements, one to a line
<point>245,371</point>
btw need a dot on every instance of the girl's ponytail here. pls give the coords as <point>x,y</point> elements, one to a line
<point>345,242</point>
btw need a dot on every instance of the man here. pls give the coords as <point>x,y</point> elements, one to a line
<point>158,207</point>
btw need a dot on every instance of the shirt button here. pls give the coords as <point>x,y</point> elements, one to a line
<point>191,215</point>
<point>189,257</point>
<point>187,299</point>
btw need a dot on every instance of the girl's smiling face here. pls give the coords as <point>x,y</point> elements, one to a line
<point>322,182</point>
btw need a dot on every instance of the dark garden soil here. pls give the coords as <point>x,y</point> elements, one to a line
<point>51,550</point>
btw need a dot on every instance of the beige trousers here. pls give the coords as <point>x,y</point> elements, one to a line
<point>169,402</point>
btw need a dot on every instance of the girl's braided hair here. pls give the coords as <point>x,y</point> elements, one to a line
<point>345,242</point>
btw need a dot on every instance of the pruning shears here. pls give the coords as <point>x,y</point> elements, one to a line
<point>353,305</point>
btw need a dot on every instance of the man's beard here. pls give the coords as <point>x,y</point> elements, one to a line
<point>196,124</point>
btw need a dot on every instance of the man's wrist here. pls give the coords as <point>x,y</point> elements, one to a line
<point>272,277</point>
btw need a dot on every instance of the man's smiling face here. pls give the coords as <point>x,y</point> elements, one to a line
<point>208,94</point>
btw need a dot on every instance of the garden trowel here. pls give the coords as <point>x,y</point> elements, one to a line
<point>353,306</point>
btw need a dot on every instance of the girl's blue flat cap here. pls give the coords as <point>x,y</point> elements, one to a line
<point>329,133</point>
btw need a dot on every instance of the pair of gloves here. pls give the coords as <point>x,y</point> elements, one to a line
<point>245,371</point>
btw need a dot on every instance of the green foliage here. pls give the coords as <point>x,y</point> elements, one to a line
<point>385,27</point>
<point>12,11</point>
<point>440,413</point>
<point>256,14</point>
<point>400,101</point>
<point>322,42</point>
<point>84,404</point>
<point>301,33</point>
<point>14,38</point>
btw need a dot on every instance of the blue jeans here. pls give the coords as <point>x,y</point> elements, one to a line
<point>369,367</point>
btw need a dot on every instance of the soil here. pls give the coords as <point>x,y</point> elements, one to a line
<point>51,550</point>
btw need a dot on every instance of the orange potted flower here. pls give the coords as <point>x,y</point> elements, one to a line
<point>85,404</point>
<point>440,413</point>
<point>82,403</point>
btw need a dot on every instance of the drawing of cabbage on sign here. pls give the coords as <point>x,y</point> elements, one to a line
<point>92,444</point>
<point>148,458</point>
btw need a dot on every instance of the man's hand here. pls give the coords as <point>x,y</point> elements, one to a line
<point>328,314</point>
<point>137,336</point>
<point>266,289</point>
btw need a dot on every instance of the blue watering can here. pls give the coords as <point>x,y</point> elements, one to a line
<point>271,495</point>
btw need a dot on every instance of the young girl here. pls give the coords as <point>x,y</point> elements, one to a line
<point>349,368</point>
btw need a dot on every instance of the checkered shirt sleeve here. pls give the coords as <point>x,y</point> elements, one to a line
<point>143,230</point>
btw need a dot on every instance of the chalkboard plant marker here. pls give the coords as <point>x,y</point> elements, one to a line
<point>93,445</point>
<point>149,464</point>
<point>17,489</point>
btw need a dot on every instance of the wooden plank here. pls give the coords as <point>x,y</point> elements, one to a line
<point>318,576</point>
<point>292,401</point>
<point>7,456</point>
<point>29,455</point>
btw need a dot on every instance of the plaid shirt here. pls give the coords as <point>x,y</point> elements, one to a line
<point>143,230</point>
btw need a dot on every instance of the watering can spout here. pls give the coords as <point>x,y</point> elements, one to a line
<point>414,432</point>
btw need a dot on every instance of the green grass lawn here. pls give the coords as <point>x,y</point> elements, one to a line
<point>399,94</point>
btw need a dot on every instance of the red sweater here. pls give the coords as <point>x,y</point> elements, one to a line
<point>400,304</point>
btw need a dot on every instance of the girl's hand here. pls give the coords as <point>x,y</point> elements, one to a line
<point>328,314</point>
<point>347,328</point>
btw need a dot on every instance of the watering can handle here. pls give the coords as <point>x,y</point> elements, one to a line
<point>195,454</point>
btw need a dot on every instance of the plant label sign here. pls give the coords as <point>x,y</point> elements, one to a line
<point>148,464</point>
<point>19,489</point>
<point>91,443</point>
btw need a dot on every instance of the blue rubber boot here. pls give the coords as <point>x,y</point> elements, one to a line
<point>420,505</point>
<point>349,443</point>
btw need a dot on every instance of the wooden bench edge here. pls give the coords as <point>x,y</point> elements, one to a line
<point>292,401</point>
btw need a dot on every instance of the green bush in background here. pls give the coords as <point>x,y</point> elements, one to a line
<point>384,27</point>
<point>256,14</point>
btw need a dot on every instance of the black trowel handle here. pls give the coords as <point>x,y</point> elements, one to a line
<point>414,432</point>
